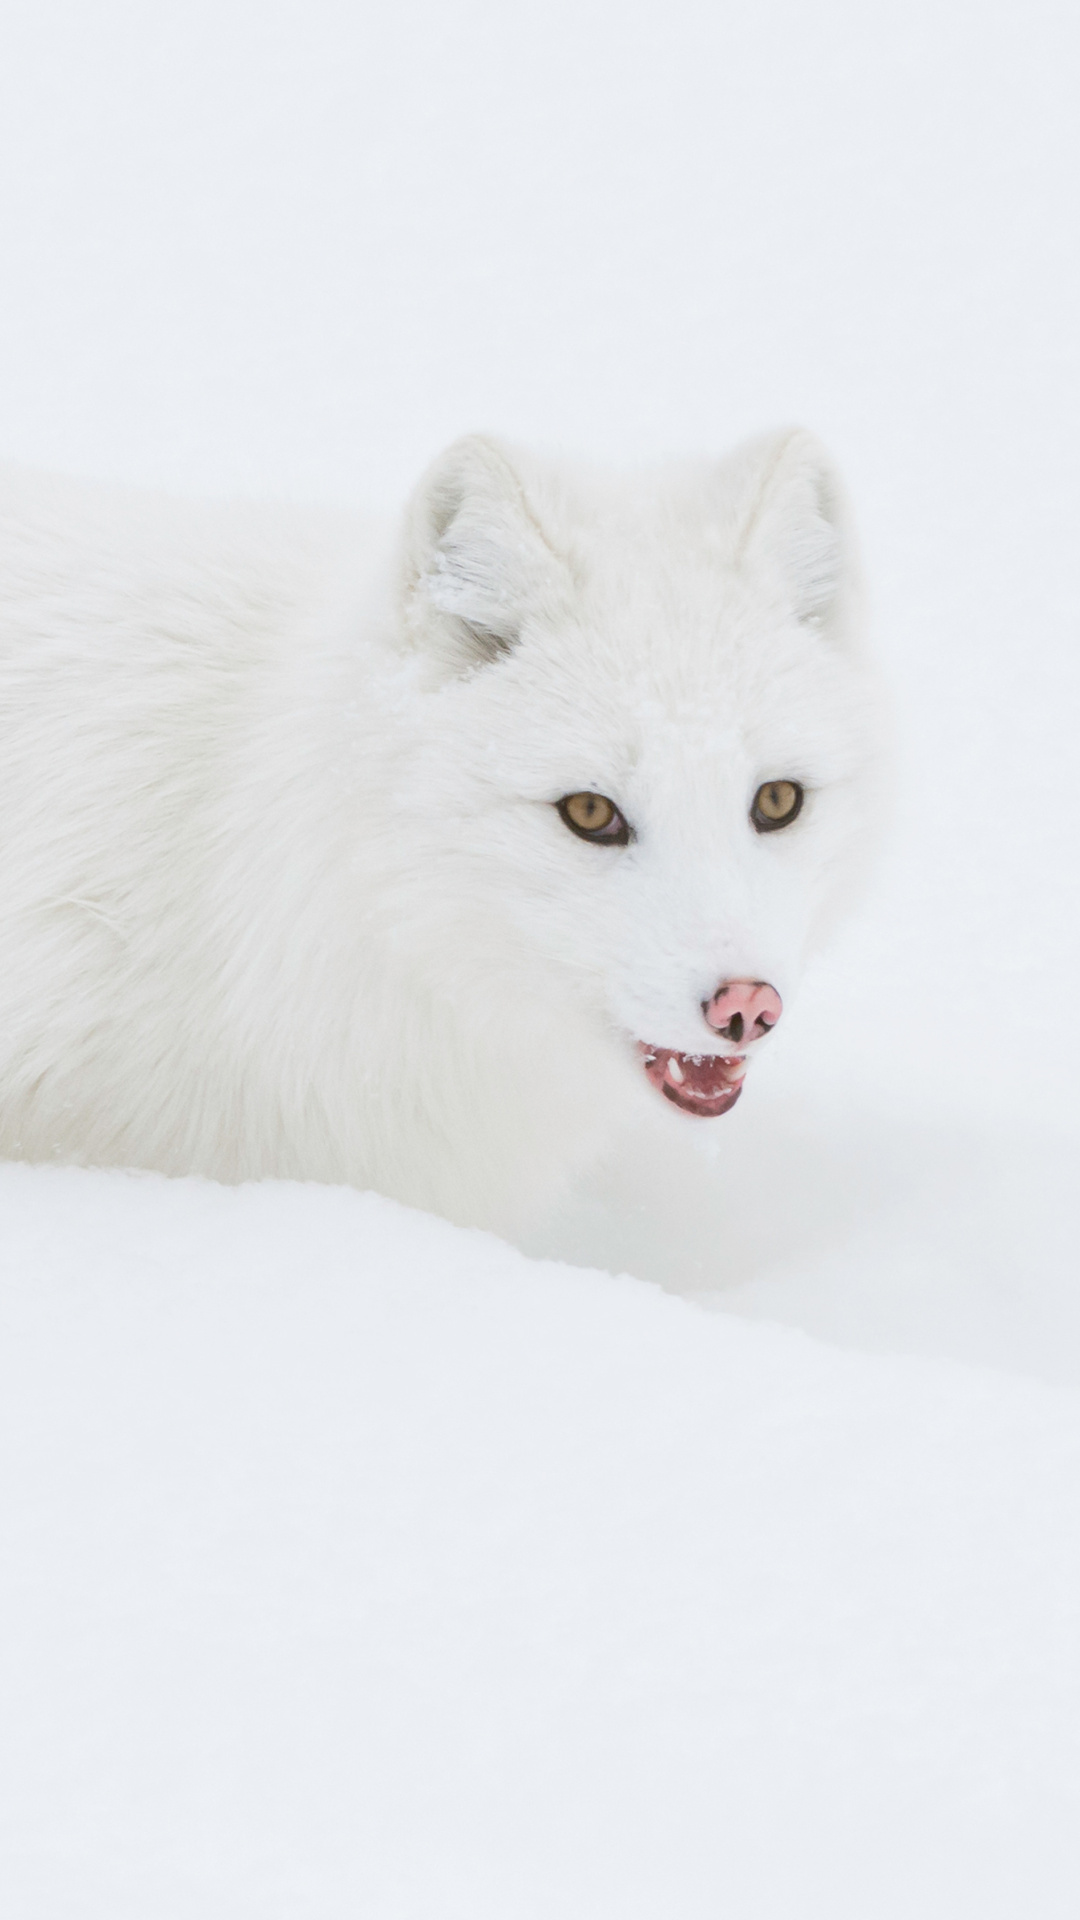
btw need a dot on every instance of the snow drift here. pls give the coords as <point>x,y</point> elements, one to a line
<point>355,1564</point>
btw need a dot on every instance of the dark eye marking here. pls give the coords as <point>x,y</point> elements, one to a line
<point>592,816</point>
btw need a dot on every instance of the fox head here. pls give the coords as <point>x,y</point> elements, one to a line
<point>651,739</point>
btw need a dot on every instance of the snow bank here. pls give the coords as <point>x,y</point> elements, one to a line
<point>860,1224</point>
<point>354,1564</point>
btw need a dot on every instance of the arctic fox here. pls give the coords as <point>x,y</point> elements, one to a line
<point>415,859</point>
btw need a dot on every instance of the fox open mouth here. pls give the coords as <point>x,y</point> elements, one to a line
<point>703,1083</point>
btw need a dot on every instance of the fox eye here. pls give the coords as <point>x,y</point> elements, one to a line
<point>776,804</point>
<point>592,816</point>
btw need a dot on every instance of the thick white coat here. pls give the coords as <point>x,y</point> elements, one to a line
<point>283,888</point>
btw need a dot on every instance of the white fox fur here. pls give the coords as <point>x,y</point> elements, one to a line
<point>283,887</point>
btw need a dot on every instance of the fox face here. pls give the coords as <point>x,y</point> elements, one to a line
<point>652,742</point>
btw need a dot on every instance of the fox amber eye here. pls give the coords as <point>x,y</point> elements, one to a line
<point>592,816</point>
<point>776,804</point>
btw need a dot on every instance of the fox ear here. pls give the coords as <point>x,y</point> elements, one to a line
<point>477,563</point>
<point>796,525</point>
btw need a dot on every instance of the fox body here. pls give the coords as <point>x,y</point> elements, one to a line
<point>415,857</point>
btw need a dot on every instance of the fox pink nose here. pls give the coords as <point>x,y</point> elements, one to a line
<point>743,1010</point>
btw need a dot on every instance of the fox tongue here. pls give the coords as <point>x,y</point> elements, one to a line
<point>705,1084</point>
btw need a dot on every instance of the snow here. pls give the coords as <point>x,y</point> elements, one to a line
<point>354,1564</point>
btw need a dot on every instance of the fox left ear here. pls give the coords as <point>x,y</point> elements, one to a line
<point>797,525</point>
<point>476,560</point>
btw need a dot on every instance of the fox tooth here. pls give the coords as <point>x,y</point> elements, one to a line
<point>676,1071</point>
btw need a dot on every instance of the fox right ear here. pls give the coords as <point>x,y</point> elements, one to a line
<point>476,560</point>
<point>795,522</point>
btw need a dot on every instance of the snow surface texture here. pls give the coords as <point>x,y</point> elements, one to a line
<point>356,1565</point>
